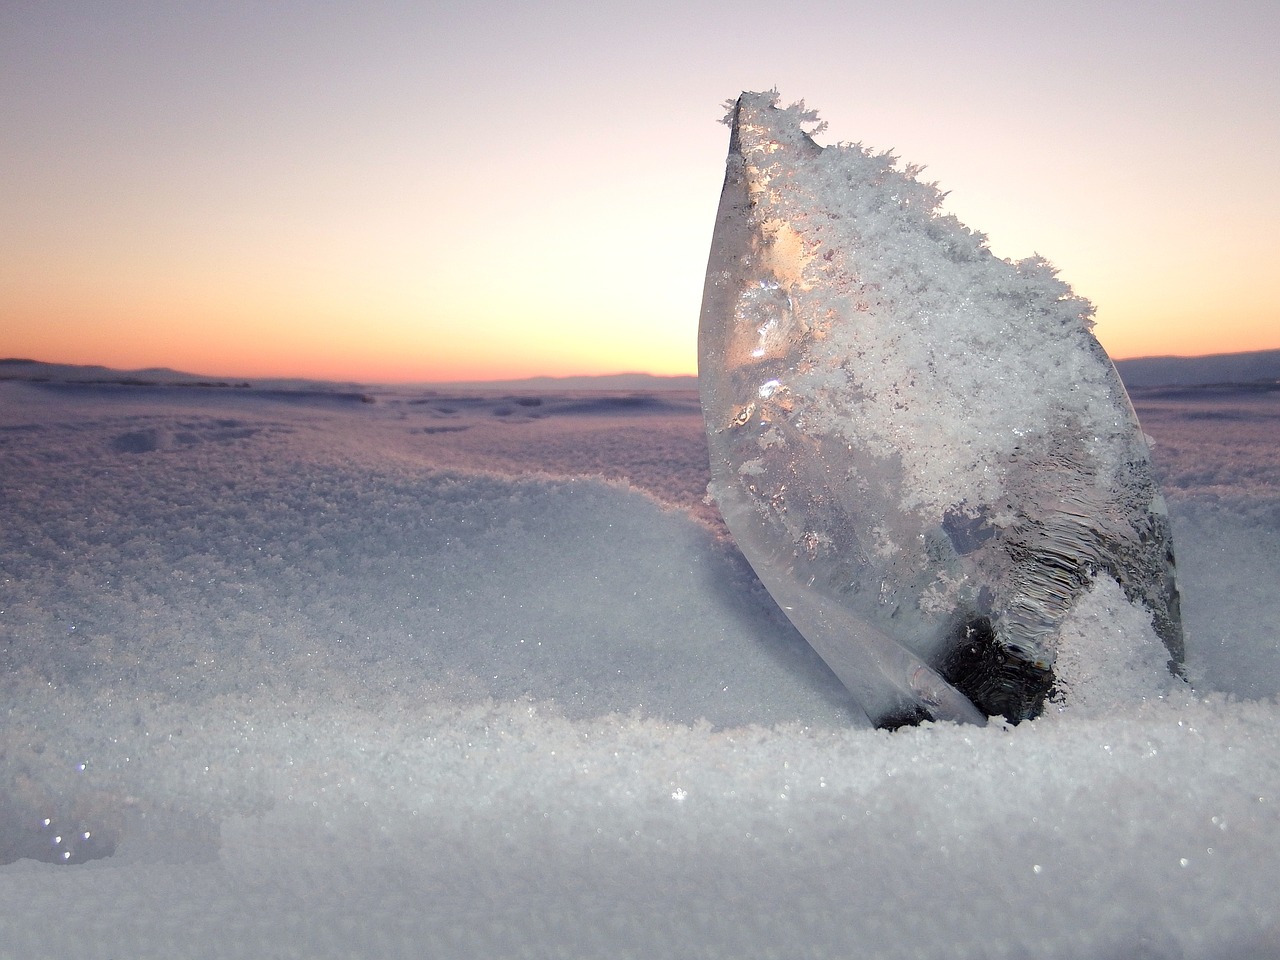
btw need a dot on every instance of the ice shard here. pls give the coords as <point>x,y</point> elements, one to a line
<point>921,448</point>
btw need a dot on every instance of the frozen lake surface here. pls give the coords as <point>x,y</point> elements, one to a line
<point>328,674</point>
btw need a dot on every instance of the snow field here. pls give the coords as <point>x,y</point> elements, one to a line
<point>336,693</point>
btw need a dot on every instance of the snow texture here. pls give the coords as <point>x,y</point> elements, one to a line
<point>324,677</point>
<point>921,448</point>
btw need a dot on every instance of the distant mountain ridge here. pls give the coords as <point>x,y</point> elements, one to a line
<point>1257,366</point>
<point>15,368</point>
<point>609,381</point>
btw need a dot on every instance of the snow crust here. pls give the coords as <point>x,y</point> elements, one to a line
<point>324,679</point>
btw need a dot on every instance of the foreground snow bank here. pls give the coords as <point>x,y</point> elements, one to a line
<point>320,689</point>
<point>495,830</point>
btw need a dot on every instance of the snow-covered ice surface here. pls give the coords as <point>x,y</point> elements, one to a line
<point>481,676</point>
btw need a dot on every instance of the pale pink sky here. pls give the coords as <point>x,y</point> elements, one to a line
<point>427,191</point>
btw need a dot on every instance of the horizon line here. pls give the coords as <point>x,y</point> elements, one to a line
<point>154,370</point>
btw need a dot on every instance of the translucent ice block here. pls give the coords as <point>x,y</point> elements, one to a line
<point>921,448</point>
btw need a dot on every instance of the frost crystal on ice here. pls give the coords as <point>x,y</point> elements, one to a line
<point>921,448</point>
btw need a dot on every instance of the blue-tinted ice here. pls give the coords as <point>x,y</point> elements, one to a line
<point>921,448</point>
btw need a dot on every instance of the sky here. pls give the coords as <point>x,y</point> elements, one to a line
<point>451,191</point>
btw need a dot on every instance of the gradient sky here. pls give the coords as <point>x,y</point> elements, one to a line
<point>475,189</point>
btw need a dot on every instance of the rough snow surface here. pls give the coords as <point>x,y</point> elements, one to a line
<point>409,678</point>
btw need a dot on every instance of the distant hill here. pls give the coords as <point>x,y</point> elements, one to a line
<point>14,368</point>
<point>1258,366</point>
<point>609,382</point>
<point>21,369</point>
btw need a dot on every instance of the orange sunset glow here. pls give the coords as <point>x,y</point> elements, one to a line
<point>391,194</point>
